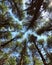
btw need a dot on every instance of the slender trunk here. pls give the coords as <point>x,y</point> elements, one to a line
<point>23,53</point>
<point>40,54</point>
<point>33,39</point>
<point>36,13</point>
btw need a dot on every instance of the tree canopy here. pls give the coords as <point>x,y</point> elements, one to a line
<point>25,32</point>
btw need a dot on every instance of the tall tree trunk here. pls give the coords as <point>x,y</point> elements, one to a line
<point>23,53</point>
<point>44,61</point>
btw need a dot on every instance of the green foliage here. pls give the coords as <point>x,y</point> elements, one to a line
<point>50,58</point>
<point>47,24</point>
<point>41,41</point>
<point>26,60</point>
<point>10,61</point>
<point>37,61</point>
<point>18,44</point>
<point>3,8</point>
<point>49,41</point>
<point>9,35</point>
<point>1,54</point>
<point>32,47</point>
<point>7,59</point>
<point>20,1</point>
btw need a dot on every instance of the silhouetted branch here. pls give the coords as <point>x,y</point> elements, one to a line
<point>23,53</point>
<point>36,13</point>
<point>33,39</point>
<point>17,8</point>
<point>46,27</point>
<point>4,44</point>
<point>40,54</point>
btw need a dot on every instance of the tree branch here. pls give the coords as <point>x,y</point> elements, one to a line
<point>36,13</point>
<point>4,44</point>
<point>46,27</point>
<point>33,39</point>
<point>23,53</point>
<point>17,9</point>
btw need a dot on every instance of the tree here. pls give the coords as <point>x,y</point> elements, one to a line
<point>25,32</point>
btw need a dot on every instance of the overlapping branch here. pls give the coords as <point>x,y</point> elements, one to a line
<point>19,13</point>
<point>4,44</point>
<point>36,13</point>
<point>33,39</point>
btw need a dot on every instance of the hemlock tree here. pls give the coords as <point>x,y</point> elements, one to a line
<point>26,32</point>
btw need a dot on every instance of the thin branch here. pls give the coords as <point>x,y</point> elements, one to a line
<point>34,41</point>
<point>44,61</point>
<point>46,27</point>
<point>4,44</point>
<point>17,8</point>
<point>7,31</point>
